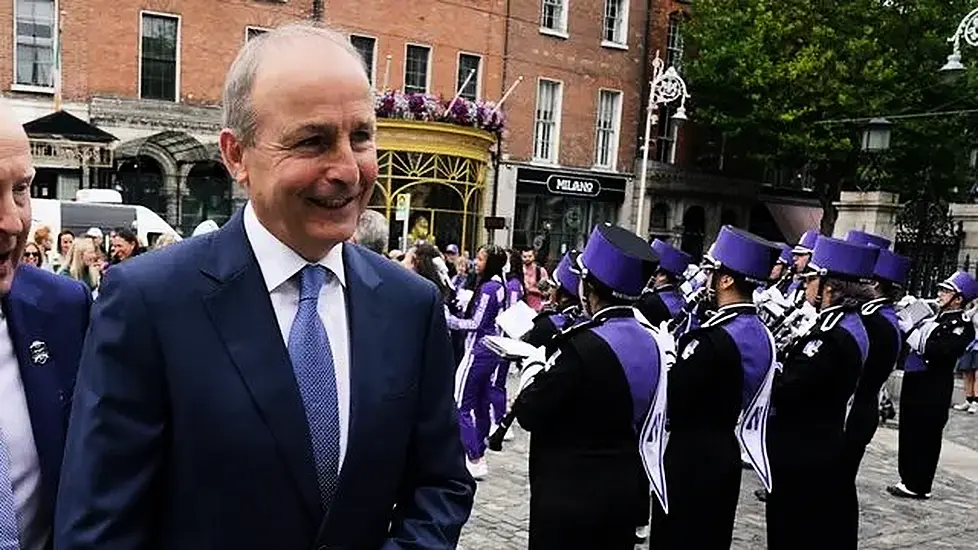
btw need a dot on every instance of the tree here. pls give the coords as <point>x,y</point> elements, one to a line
<point>767,75</point>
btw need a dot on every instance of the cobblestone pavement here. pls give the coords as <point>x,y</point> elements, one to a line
<point>948,521</point>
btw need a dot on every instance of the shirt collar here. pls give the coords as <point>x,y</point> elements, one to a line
<point>277,262</point>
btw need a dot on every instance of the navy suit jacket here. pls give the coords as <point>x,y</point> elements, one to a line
<point>50,313</point>
<point>188,431</point>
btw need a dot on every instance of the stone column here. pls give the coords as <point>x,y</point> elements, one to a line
<point>870,211</point>
<point>967,216</point>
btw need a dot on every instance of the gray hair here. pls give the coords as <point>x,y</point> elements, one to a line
<point>236,110</point>
<point>372,231</point>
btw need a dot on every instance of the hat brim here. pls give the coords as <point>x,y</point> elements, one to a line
<point>949,286</point>
<point>801,251</point>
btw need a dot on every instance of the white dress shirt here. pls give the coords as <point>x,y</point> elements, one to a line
<point>279,264</point>
<point>25,470</point>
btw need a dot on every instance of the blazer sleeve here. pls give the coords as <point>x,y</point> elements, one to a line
<point>117,430</point>
<point>437,492</point>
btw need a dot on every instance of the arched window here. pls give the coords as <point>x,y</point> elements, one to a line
<point>694,228</point>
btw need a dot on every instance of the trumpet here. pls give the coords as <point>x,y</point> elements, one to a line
<point>693,300</point>
<point>798,324</point>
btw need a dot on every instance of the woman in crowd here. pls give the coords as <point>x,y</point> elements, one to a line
<point>33,255</point>
<point>83,264</point>
<point>60,257</point>
<point>474,375</point>
<point>514,293</point>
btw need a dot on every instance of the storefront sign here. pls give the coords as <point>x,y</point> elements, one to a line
<point>568,185</point>
<point>599,186</point>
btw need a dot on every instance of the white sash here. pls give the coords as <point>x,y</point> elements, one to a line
<point>654,437</point>
<point>752,430</point>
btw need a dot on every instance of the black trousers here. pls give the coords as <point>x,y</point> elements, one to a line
<point>583,535</point>
<point>924,401</point>
<point>804,508</point>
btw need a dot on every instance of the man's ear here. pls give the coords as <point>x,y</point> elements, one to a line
<point>232,152</point>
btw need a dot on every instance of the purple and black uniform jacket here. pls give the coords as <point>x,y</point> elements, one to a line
<point>661,304</point>
<point>885,350</point>
<point>811,393</point>
<point>945,345</point>
<point>584,414</point>
<point>550,323</point>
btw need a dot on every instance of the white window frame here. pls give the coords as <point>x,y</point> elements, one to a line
<point>179,60</point>
<point>616,129</point>
<point>478,74</point>
<point>562,31</point>
<point>373,61</point>
<point>56,41</point>
<point>558,115</point>
<point>247,28</point>
<point>623,44</point>
<point>431,52</point>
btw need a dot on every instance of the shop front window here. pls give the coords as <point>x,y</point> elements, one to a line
<point>555,224</point>
<point>445,197</point>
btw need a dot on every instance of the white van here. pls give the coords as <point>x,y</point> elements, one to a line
<point>107,214</point>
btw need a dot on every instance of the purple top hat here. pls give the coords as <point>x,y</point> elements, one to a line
<point>861,237</point>
<point>892,267</point>
<point>743,253</point>
<point>806,245</point>
<point>785,257</point>
<point>567,274</point>
<point>963,283</point>
<point>843,259</point>
<point>618,259</point>
<point>671,260</point>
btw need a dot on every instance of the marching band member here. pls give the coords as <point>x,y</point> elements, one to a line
<point>781,272</point>
<point>928,383</point>
<point>885,347</point>
<point>474,374</point>
<point>565,311</point>
<point>497,385</point>
<point>583,412</point>
<point>810,398</point>
<point>663,301</point>
<point>725,363</point>
<point>801,254</point>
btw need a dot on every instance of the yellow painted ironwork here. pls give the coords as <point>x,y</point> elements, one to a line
<point>412,154</point>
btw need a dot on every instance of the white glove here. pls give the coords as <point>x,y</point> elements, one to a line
<point>905,301</point>
<point>905,323</point>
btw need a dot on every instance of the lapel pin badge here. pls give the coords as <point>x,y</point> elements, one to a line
<point>39,352</point>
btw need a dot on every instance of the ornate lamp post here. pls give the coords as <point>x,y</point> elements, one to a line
<point>666,86</point>
<point>968,30</point>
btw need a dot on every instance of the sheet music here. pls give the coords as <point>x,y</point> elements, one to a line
<point>462,298</point>
<point>509,348</point>
<point>517,320</point>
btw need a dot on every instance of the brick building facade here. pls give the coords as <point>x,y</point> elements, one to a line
<point>150,72</point>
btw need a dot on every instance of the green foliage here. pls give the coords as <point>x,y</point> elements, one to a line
<point>763,73</point>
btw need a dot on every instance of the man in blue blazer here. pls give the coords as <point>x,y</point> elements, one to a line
<point>267,386</point>
<point>43,318</point>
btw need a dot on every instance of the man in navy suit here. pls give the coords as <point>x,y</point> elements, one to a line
<point>43,318</point>
<point>267,386</point>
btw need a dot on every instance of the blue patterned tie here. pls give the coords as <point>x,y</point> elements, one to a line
<point>9,537</point>
<point>312,362</point>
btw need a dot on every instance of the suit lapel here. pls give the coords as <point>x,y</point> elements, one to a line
<point>242,313</point>
<point>368,326</point>
<point>47,400</point>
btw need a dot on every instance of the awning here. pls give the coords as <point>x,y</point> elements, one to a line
<point>64,125</point>
<point>793,219</point>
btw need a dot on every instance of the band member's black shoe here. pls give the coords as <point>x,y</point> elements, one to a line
<point>761,495</point>
<point>901,491</point>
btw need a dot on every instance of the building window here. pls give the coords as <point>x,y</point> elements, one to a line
<point>546,131</point>
<point>606,129</point>
<point>34,54</point>
<point>554,15</point>
<point>674,43</point>
<point>365,45</point>
<point>416,69</point>
<point>252,32</point>
<point>466,64</point>
<point>158,73</point>
<point>616,21</point>
<point>665,150</point>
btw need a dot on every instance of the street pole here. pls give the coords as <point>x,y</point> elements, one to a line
<point>666,87</point>
<point>643,177</point>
